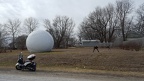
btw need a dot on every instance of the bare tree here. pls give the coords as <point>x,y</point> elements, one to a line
<point>96,23</point>
<point>30,24</point>
<point>21,42</point>
<point>140,19</point>
<point>47,24</point>
<point>123,9</point>
<point>3,41</point>
<point>61,30</point>
<point>12,28</point>
<point>86,32</point>
<point>112,23</point>
<point>100,24</point>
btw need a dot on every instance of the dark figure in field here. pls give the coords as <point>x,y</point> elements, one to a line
<point>108,47</point>
<point>95,47</point>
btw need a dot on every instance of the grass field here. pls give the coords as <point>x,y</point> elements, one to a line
<point>81,59</point>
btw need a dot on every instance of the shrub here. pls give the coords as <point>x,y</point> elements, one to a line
<point>131,45</point>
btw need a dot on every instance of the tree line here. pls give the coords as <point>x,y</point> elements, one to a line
<point>104,23</point>
<point>112,21</point>
<point>61,29</point>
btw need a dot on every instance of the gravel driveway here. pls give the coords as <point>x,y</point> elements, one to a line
<point>13,75</point>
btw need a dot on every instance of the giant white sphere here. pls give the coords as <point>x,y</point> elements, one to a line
<point>39,41</point>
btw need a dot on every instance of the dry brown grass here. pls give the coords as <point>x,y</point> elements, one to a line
<point>82,59</point>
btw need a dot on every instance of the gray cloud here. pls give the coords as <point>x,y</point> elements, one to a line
<point>41,9</point>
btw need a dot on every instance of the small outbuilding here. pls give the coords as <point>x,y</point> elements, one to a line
<point>90,43</point>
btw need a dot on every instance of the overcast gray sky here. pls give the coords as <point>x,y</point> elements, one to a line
<point>42,9</point>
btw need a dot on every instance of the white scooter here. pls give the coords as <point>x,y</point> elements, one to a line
<point>28,64</point>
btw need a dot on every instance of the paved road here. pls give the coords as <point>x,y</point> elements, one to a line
<point>59,76</point>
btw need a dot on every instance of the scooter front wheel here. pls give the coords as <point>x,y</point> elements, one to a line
<point>17,67</point>
<point>33,68</point>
